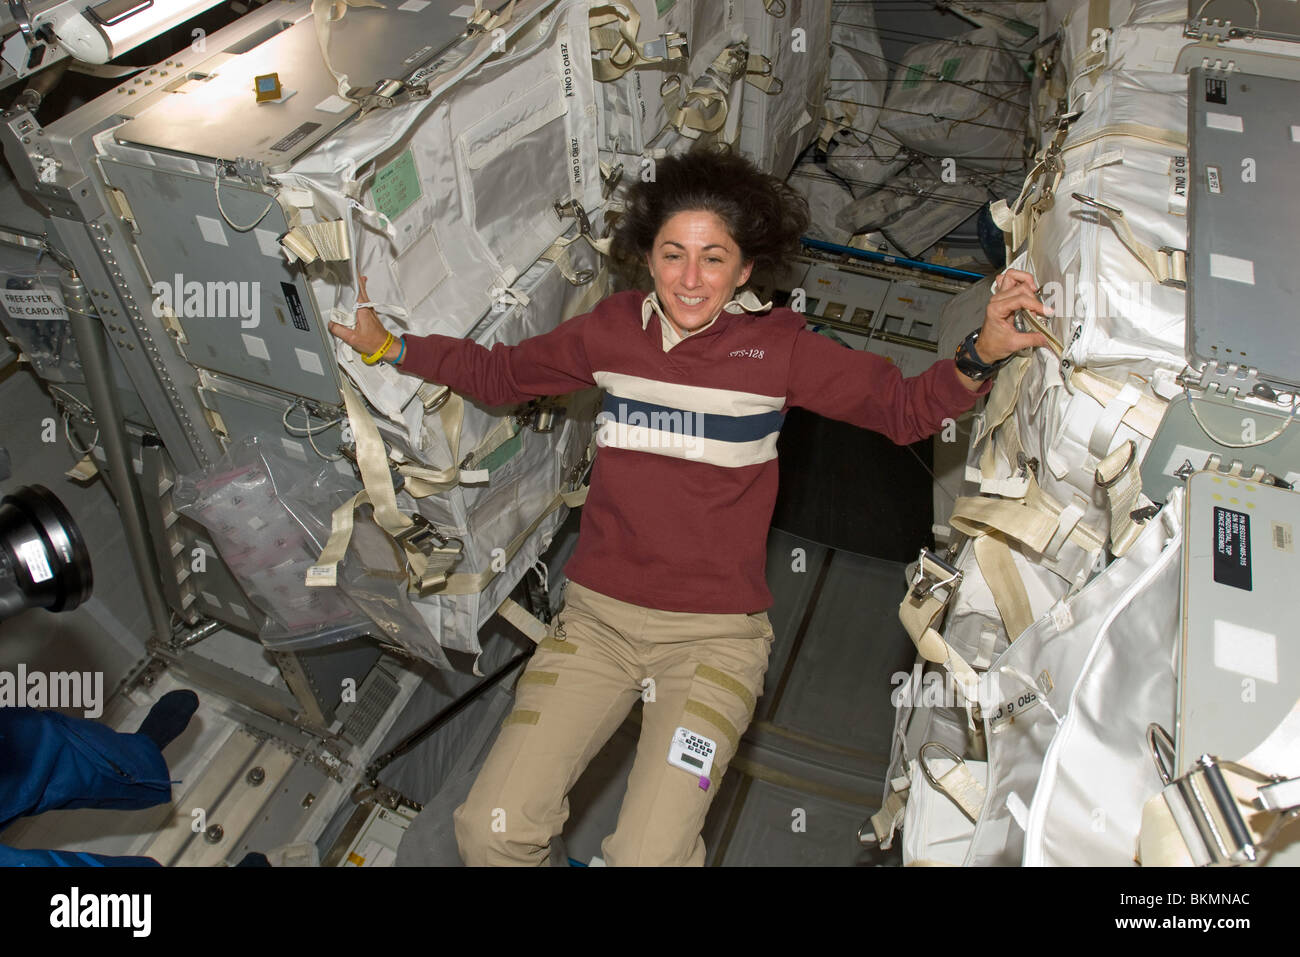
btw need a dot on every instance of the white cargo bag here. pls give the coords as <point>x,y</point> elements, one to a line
<point>1098,772</point>
<point>826,196</point>
<point>447,200</point>
<point>782,118</point>
<point>964,98</point>
<point>915,210</point>
<point>632,110</point>
<point>1035,679</point>
<point>506,515</point>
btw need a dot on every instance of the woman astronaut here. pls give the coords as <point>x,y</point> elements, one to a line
<point>667,593</point>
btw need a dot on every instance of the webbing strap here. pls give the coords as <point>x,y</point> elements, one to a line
<point>1067,519</point>
<point>1166,265</point>
<point>1098,19</point>
<point>327,13</point>
<point>976,516</point>
<point>758,73</point>
<point>887,820</point>
<point>1001,401</point>
<point>614,29</point>
<point>421,482</point>
<point>1103,433</point>
<point>999,570</point>
<point>372,460</point>
<point>1121,479</point>
<point>960,786</point>
<point>918,618</point>
<point>515,613</point>
<point>1143,416</point>
<point>1037,521</point>
<point>709,94</point>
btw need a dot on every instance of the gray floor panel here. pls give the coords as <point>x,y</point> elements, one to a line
<point>838,688</point>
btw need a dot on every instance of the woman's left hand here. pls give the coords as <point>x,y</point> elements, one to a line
<point>998,338</point>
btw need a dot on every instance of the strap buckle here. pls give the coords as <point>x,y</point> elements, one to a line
<point>932,573</point>
<point>421,534</point>
<point>386,94</point>
<point>670,46</point>
<point>1203,806</point>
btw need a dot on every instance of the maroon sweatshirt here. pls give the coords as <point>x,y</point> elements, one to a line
<point>683,488</point>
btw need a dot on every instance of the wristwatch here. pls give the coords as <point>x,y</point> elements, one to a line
<point>969,363</point>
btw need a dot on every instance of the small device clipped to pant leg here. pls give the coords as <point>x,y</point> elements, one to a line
<point>694,753</point>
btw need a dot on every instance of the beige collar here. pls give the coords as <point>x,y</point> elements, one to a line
<point>746,301</point>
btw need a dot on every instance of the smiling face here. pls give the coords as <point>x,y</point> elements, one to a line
<point>697,268</point>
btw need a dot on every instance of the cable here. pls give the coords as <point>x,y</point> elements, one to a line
<point>309,432</point>
<point>216,186</point>
<point>898,109</point>
<point>67,432</point>
<point>1237,445</point>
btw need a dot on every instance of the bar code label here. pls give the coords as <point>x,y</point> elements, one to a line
<point>1283,539</point>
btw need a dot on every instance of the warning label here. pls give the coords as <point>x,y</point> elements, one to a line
<point>1232,548</point>
<point>33,304</point>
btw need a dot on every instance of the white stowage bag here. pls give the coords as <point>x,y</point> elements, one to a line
<point>449,202</point>
<point>1089,29</point>
<point>449,199</point>
<point>632,109</point>
<point>914,211</point>
<point>1146,35</point>
<point>867,163</point>
<point>862,153</point>
<point>826,197</point>
<point>965,98</point>
<point>526,473</point>
<point>777,125</point>
<point>1098,772</point>
<point>1112,316</point>
<point>1133,602</point>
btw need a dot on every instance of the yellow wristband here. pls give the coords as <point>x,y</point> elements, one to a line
<point>378,354</point>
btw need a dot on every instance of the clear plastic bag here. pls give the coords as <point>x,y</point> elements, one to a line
<point>270,518</point>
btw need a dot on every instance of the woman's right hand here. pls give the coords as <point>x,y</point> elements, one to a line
<point>368,334</point>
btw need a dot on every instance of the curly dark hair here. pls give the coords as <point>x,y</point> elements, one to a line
<point>762,214</point>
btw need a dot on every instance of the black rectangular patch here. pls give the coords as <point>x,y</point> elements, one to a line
<point>1216,91</point>
<point>294,138</point>
<point>1232,548</point>
<point>295,306</point>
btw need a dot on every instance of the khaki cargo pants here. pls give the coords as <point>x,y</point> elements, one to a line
<point>702,672</point>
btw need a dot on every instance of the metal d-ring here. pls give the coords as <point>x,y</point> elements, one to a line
<point>1098,204</point>
<point>1132,455</point>
<point>925,768</point>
